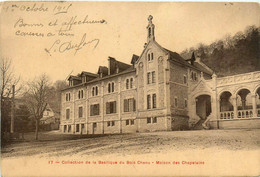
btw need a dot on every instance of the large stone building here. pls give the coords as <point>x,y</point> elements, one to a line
<point>158,91</point>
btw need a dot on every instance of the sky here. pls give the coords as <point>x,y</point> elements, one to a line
<point>119,32</point>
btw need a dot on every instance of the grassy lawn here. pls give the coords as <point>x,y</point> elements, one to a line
<point>54,144</point>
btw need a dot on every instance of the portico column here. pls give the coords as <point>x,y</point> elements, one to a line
<point>254,105</point>
<point>235,106</point>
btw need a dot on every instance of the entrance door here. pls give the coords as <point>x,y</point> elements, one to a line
<point>203,106</point>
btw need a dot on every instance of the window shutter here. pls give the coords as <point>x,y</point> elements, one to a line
<point>130,104</point>
<point>107,108</point>
<point>125,105</point>
<point>114,107</point>
<point>91,110</point>
<point>134,105</point>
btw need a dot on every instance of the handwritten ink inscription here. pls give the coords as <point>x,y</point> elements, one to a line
<point>56,29</point>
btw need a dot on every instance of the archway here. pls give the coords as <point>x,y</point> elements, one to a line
<point>226,106</point>
<point>258,102</point>
<point>203,106</point>
<point>244,103</point>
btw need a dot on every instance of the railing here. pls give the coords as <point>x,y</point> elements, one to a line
<point>244,113</point>
<point>227,115</point>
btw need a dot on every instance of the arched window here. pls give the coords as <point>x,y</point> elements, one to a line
<point>109,88</point>
<point>113,85</point>
<point>93,91</point>
<point>127,84</point>
<point>96,90</point>
<point>81,93</point>
<point>131,83</point>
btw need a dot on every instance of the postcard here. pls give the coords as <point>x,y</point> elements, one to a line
<point>130,88</point>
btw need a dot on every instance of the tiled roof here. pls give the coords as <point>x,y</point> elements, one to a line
<point>176,57</point>
<point>89,74</point>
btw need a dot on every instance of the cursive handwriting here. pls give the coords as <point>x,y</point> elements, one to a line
<point>68,46</point>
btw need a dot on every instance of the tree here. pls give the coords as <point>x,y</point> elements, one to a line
<point>36,97</point>
<point>7,78</point>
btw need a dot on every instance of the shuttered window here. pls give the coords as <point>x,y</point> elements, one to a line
<point>129,105</point>
<point>94,110</point>
<point>111,107</point>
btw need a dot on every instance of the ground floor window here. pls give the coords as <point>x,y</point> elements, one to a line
<point>110,123</point>
<point>65,128</point>
<point>151,120</point>
<point>129,122</point>
<point>69,128</point>
<point>77,128</point>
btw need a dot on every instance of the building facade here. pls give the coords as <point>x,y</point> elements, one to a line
<point>158,91</point>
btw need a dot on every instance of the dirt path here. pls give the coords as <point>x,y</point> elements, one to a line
<point>55,145</point>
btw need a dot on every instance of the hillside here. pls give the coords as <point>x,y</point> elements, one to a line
<point>231,55</point>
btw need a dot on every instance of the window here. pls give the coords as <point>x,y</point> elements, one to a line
<point>67,114</point>
<point>77,128</point>
<point>67,96</point>
<point>154,119</point>
<point>111,87</point>
<point>69,128</point>
<point>111,123</point>
<point>131,82</point>
<point>127,122</point>
<point>80,112</point>
<point>185,103</point>
<point>148,120</point>
<point>148,78</point>
<point>129,105</point>
<point>95,125</point>
<point>150,56</point>
<point>82,127</point>
<point>94,110</point>
<point>193,76</point>
<point>175,102</point>
<point>132,122</point>
<point>94,91</point>
<point>148,101</point>
<point>111,107</point>
<point>153,77</point>
<point>154,100</point>
<point>80,94</point>
<point>127,84</point>
<point>184,79</point>
<point>65,128</point>
<point>70,83</point>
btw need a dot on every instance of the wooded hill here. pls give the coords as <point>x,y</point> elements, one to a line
<point>231,55</point>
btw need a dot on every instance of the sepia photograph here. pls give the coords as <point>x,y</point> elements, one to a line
<point>130,88</point>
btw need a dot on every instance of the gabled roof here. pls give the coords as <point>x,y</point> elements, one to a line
<point>134,58</point>
<point>74,77</point>
<point>88,74</point>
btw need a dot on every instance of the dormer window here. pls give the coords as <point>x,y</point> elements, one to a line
<point>84,79</point>
<point>70,83</point>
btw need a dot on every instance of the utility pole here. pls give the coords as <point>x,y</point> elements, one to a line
<point>12,110</point>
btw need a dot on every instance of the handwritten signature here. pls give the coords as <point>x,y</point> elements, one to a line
<point>62,47</point>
